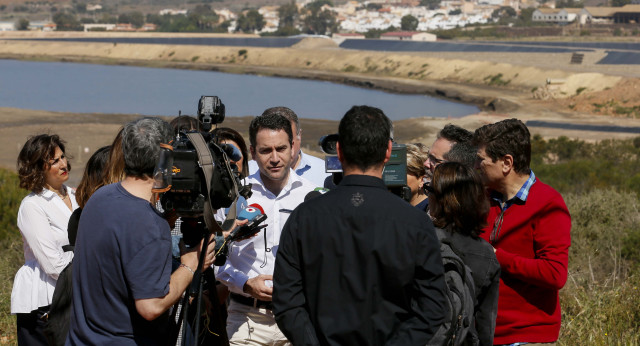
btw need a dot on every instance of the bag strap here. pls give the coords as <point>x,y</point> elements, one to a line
<point>206,163</point>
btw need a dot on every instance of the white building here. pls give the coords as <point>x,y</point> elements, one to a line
<point>408,36</point>
<point>172,12</point>
<point>558,15</point>
<point>95,27</point>
<point>7,26</point>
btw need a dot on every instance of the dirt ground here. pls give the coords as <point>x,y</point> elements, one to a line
<point>503,85</point>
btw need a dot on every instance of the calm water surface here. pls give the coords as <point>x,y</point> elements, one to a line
<point>87,88</point>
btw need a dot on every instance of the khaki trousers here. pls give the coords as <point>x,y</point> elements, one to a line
<point>247,325</point>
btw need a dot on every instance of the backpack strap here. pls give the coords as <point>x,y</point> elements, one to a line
<point>206,163</point>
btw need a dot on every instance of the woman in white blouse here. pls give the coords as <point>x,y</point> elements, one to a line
<point>42,218</point>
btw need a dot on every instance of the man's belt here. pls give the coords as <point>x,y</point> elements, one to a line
<point>253,302</point>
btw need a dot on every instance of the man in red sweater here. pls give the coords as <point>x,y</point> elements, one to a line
<point>529,227</point>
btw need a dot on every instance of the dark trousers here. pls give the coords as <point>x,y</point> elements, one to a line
<point>31,327</point>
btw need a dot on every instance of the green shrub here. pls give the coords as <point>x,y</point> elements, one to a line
<point>496,80</point>
<point>349,68</point>
<point>10,248</point>
<point>11,195</point>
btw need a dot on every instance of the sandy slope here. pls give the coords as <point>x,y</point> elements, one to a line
<point>456,76</point>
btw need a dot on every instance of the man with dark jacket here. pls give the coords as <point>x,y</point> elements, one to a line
<point>358,265</point>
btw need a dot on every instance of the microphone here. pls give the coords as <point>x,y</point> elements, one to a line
<point>232,151</point>
<point>315,193</point>
<point>250,212</point>
<point>255,214</point>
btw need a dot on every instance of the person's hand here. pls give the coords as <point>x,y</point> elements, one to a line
<point>190,257</point>
<point>236,223</point>
<point>256,287</point>
<point>210,256</point>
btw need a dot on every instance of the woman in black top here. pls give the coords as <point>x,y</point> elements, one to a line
<point>458,204</point>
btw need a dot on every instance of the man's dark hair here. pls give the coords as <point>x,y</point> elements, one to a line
<point>509,136</point>
<point>33,160</point>
<point>364,136</point>
<point>287,113</point>
<point>272,121</point>
<point>462,152</point>
<point>141,145</point>
<point>454,133</point>
<point>457,200</point>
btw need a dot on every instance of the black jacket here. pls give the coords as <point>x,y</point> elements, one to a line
<point>358,266</point>
<point>478,255</point>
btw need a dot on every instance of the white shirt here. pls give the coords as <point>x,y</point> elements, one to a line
<point>248,258</point>
<point>42,219</point>
<point>311,168</point>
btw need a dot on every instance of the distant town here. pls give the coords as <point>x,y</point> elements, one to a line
<point>424,20</point>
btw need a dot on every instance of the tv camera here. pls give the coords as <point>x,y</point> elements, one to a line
<point>394,173</point>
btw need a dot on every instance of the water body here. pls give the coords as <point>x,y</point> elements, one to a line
<point>87,88</point>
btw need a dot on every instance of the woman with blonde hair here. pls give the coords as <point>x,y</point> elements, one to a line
<point>114,171</point>
<point>417,154</point>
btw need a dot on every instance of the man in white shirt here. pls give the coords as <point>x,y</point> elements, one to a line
<point>304,165</point>
<point>249,269</point>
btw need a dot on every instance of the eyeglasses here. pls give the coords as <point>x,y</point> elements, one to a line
<point>497,226</point>
<point>434,160</point>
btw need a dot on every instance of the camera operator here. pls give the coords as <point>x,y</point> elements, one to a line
<point>249,267</point>
<point>122,280</point>
<point>304,165</point>
<point>358,265</point>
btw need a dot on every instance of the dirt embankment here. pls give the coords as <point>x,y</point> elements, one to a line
<point>495,82</point>
<point>502,84</point>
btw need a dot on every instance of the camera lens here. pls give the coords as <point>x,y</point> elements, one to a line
<point>328,144</point>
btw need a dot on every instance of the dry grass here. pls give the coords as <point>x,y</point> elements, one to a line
<point>601,300</point>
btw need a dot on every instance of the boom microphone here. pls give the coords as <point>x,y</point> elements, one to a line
<point>232,152</point>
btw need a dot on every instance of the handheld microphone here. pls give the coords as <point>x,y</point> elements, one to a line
<point>255,214</point>
<point>250,212</point>
<point>232,151</point>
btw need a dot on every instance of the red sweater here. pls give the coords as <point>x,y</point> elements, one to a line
<point>533,251</point>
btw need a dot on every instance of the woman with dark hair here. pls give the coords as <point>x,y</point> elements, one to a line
<point>184,123</point>
<point>458,205</point>
<point>91,181</point>
<point>43,217</point>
